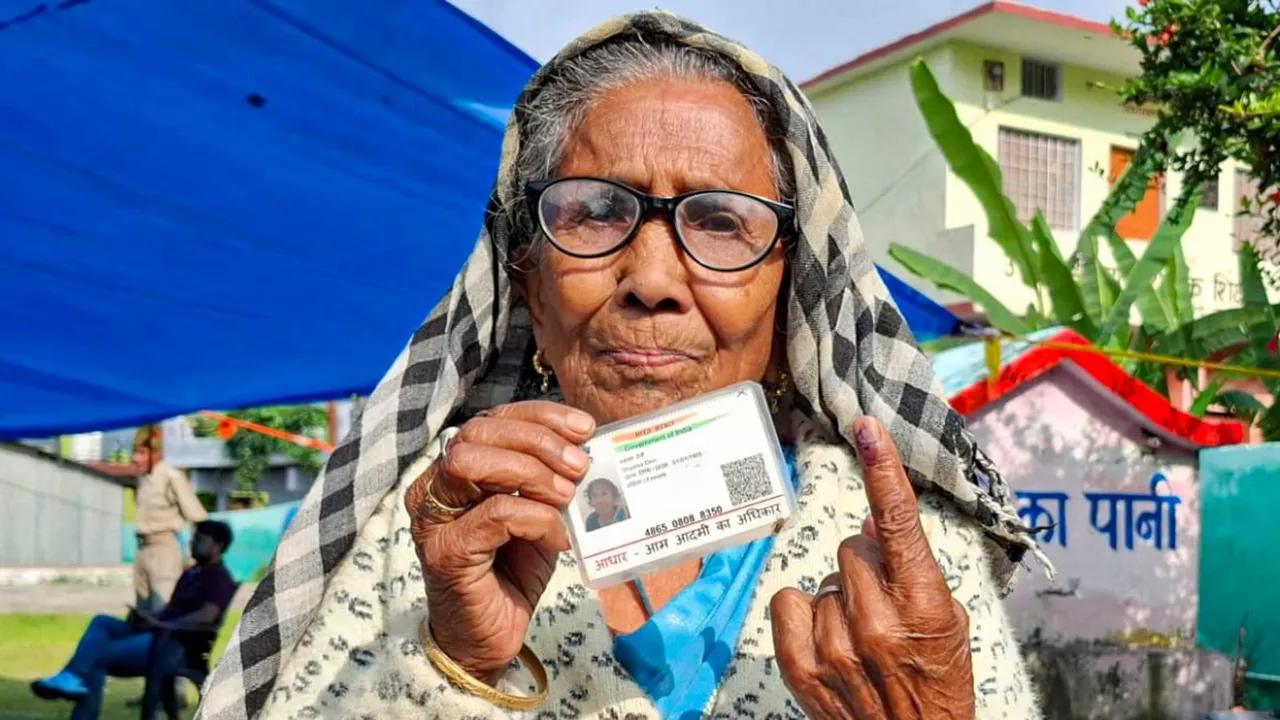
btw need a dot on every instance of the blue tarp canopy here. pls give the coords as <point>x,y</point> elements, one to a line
<point>927,319</point>
<point>236,203</point>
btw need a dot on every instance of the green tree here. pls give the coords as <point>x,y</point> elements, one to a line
<point>1211,69</point>
<point>252,451</point>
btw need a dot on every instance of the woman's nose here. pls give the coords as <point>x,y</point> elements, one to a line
<point>654,275</point>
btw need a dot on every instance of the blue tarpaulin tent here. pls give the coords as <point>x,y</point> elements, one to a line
<point>236,203</point>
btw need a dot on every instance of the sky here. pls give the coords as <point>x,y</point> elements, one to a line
<point>803,37</point>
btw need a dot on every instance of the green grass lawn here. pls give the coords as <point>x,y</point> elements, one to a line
<point>34,646</point>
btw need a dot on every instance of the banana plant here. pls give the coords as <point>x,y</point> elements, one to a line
<point>1209,335</point>
<point>1065,294</point>
<point>1253,291</point>
<point>1164,307</point>
<point>1263,334</point>
<point>1155,259</point>
<point>975,167</point>
<point>1250,329</point>
<point>1083,305</point>
<point>1081,292</point>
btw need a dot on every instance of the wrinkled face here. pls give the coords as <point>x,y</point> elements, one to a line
<point>602,500</point>
<point>647,326</point>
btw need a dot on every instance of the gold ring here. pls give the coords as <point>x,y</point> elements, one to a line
<point>439,509</point>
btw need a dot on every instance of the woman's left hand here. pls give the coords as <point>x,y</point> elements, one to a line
<point>882,639</point>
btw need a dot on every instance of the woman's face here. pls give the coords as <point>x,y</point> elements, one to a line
<point>647,326</point>
<point>602,500</point>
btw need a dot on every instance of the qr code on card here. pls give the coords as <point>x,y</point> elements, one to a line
<point>746,479</point>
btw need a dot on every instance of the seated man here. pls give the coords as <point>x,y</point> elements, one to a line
<point>111,646</point>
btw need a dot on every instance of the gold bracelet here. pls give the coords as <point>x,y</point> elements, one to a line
<point>466,681</point>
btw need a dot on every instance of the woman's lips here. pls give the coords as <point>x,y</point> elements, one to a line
<point>647,357</point>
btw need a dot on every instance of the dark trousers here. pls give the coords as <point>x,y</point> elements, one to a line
<point>109,646</point>
<point>168,657</point>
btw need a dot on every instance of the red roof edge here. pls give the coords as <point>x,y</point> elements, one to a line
<point>1003,7</point>
<point>1151,404</point>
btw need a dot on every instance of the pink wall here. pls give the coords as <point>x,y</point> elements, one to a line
<point>1063,434</point>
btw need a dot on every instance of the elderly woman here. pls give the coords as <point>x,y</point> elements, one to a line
<point>667,221</point>
<point>606,504</point>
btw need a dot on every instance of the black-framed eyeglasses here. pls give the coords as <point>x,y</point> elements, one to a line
<point>724,230</point>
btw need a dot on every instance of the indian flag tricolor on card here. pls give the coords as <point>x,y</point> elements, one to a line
<point>629,435</point>
<point>634,439</point>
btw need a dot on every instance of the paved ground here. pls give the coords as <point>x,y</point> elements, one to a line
<point>70,598</point>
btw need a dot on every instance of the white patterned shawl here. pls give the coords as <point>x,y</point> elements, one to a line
<point>848,348</point>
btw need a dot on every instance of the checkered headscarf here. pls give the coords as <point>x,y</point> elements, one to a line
<point>849,350</point>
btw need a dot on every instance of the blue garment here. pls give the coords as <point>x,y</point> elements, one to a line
<point>593,521</point>
<point>109,646</point>
<point>679,656</point>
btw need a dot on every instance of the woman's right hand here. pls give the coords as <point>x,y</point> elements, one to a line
<point>486,568</point>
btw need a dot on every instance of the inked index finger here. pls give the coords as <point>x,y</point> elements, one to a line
<point>893,505</point>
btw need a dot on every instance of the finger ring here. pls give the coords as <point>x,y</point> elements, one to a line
<point>438,509</point>
<point>434,506</point>
<point>825,590</point>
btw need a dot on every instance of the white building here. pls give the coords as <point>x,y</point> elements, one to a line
<point>1036,89</point>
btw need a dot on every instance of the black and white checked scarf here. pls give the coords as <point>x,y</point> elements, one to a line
<point>849,350</point>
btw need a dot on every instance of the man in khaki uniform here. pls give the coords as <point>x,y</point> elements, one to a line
<point>165,503</point>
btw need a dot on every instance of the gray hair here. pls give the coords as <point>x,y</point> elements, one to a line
<point>559,108</point>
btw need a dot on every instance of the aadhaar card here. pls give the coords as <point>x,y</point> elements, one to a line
<point>679,483</point>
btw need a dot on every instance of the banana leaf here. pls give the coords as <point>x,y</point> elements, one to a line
<point>1241,403</point>
<point>1159,252</point>
<point>1034,320</point>
<point>1154,309</point>
<point>1095,282</point>
<point>1064,291</point>
<point>1212,333</point>
<point>1254,295</point>
<point>1123,335</point>
<point>1175,289</point>
<point>1205,398</point>
<point>977,169</point>
<point>1270,423</point>
<point>949,278</point>
<point>1177,284</point>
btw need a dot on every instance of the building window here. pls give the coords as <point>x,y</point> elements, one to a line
<point>1247,226</point>
<point>992,76</point>
<point>1041,173</point>
<point>1041,80</point>
<point>1209,194</point>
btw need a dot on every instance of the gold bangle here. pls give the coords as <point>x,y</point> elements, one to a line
<point>466,681</point>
